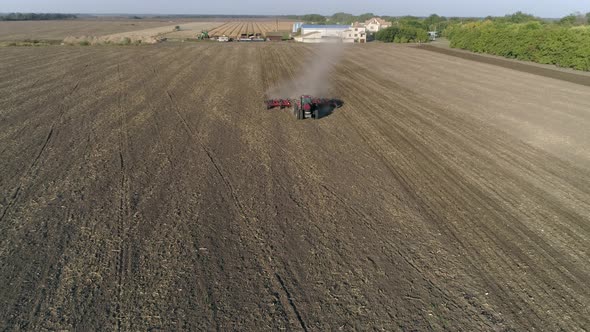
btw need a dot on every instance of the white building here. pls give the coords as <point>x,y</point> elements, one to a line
<point>375,24</point>
<point>296,26</point>
<point>354,34</point>
<point>331,34</point>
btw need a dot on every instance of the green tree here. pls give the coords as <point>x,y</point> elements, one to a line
<point>435,23</point>
<point>561,45</point>
<point>434,19</point>
<point>405,34</point>
<point>387,35</point>
<point>520,17</point>
<point>411,21</point>
<point>588,18</point>
<point>342,18</point>
<point>365,17</point>
<point>568,20</point>
<point>314,18</point>
<point>35,17</point>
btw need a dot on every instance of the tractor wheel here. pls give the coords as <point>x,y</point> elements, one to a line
<point>316,114</point>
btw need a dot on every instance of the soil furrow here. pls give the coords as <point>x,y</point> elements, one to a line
<point>148,188</point>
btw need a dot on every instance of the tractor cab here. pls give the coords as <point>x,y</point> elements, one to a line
<point>307,108</point>
<point>306,103</point>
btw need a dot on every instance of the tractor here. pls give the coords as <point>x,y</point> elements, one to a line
<point>306,106</point>
<point>204,35</point>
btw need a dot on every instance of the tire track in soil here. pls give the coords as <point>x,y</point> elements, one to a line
<point>208,152</point>
<point>419,205</point>
<point>349,206</point>
<point>399,141</point>
<point>273,140</point>
<point>188,67</point>
<point>246,217</point>
<point>511,64</point>
<point>31,122</point>
<point>192,134</point>
<point>291,303</point>
<point>427,210</point>
<point>481,202</point>
<point>25,72</point>
<point>56,251</point>
<point>28,173</point>
<point>422,206</point>
<point>155,112</point>
<point>123,145</point>
<point>117,125</point>
<point>540,172</point>
<point>51,272</point>
<point>277,282</point>
<point>516,162</point>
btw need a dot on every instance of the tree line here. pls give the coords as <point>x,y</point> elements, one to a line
<point>35,17</point>
<point>340,18</point>
<point>565,42</point>
<point>412,29</point>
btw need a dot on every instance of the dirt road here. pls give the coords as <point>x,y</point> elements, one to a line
<point>146,188</point>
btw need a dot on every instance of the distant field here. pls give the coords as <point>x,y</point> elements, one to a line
<point>187,30</point>
<point>57,30</point>
<point>116,30</point>
<point>235,28</point>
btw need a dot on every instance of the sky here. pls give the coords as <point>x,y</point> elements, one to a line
<point>480,8</point>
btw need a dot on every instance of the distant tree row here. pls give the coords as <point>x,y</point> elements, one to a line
<point>405,34</point>
<point>575,19</point>
<point>434,21</point>
<point>347,19</point>
<point>338,18</point>
<point>411,29</point>
<point>565,43</point>
<point>35,17</point>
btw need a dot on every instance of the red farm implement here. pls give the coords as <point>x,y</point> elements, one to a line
<point>306,106</point>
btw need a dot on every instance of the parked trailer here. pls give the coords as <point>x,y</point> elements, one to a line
<point>251,38</point>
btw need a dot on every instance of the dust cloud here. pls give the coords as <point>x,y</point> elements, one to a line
<point>314,76</point>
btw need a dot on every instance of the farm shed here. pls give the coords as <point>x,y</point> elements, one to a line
<point>276,35</point>
<point>311,33</point>
<point>332,34</point>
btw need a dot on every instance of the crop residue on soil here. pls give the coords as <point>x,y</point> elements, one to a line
<point>148,188</point>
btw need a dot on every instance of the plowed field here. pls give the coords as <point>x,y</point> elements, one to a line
<point>234,29</point>
<point>58,30</point>
<point>146,188</point>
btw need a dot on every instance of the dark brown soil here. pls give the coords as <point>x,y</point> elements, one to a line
<point>507,63</point>
<point>147,188</point>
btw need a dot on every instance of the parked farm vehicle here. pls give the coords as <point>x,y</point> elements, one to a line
<point>251,37</point>
<point>204,35</point>
<point>306,106</point>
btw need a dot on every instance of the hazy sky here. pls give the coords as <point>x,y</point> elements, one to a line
<point>544,8</point>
